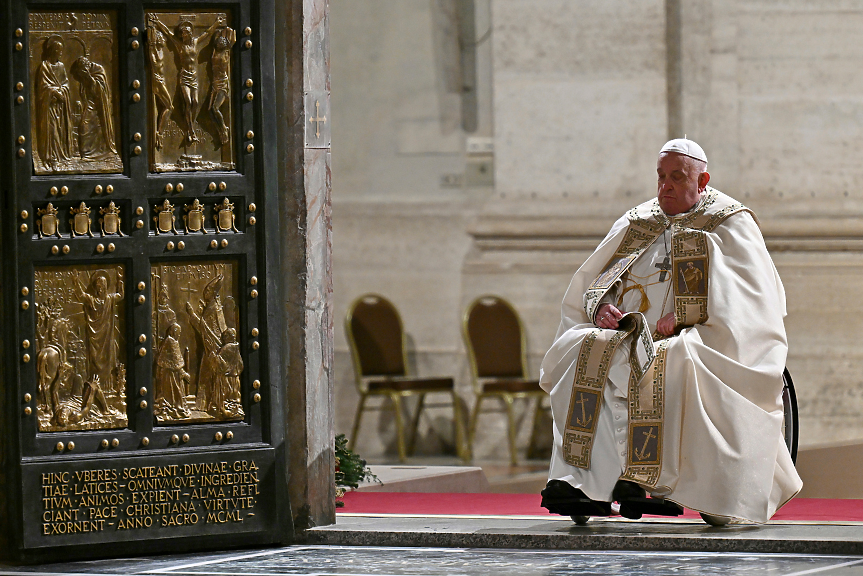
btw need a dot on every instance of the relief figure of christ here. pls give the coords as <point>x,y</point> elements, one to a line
<point>100,314</point>
<point>188,47</point>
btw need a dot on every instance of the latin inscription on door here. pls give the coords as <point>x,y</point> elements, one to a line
<point>152,497</point>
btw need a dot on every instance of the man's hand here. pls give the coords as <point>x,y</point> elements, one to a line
<point>665,326</point>
<point>607,316</point>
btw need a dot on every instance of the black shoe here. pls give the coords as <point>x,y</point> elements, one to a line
<point>634,502</point>
<point>626,490</point>
<point>560,497</point>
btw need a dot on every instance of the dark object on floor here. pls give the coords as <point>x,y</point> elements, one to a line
<point>634,502</point>
<point>560,497</point>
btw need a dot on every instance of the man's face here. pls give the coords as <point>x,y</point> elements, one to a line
<point>680,182</point>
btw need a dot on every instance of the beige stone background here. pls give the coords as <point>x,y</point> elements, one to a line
<point>573,100</point>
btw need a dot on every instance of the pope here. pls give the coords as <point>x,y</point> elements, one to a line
<point>665,375</point>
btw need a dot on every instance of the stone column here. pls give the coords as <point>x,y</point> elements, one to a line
<point>302,60</point>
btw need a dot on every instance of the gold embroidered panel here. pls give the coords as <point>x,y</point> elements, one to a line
<point>591,372</point>
<point>190,96</point>
<point>583,419</point>
<point>637,239</point>
<point>74,111</point>
<point>197,362</point>
<point>691,270</point>
<point>80,347</point>
<point>645,441</point>
<point>646,413</point>
<point>612,273</point>
<point>691,277</point>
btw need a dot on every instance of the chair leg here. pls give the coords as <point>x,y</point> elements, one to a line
<point>415,424</point>
<point>471,433</point>
<point>537,416</point>
<point>458,423</point>
<point>400,427</point>
<point>356,429</point>
<point>510,417</point>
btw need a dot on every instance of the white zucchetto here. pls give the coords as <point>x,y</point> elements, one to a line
<point>685,147</point>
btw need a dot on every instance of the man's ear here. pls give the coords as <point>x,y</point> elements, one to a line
<point>703,179</point>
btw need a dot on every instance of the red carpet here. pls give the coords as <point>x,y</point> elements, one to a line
<point>800,509</point>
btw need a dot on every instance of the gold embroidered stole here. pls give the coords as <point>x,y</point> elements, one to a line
<point>646,403</point>
<point>690,272</point>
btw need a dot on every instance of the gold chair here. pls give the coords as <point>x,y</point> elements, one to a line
<point>497,349</point>
<point>377,341</point>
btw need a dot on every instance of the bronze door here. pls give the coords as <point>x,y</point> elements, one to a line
<point>141,250</point>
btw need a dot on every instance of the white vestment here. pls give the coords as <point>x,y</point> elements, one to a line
<point>722,447</point>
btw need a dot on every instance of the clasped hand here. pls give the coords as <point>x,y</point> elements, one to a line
<point>608,317</point>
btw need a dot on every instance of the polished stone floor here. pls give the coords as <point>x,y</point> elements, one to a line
<point>360,561</point>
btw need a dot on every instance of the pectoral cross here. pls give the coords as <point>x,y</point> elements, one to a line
<point>585,419</point>
<point>665,266</point>
<point>647,438</point>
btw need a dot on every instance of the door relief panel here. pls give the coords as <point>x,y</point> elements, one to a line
<point>74,111</point>
<point>189,63</point>
<point>197,364</point>
<point>80,347</point>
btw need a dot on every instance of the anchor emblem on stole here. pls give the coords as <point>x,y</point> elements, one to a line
<point>643,454</point>
<point>586,418</point>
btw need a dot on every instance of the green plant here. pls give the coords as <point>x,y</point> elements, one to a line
<point>350,469</point>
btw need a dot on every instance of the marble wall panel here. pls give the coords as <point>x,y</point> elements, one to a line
<point>561,135</point>
<point>412,255</point>
<point>824,352</point>
<point>394,136</point>
<point>577,109</point>
<point>564,39</point>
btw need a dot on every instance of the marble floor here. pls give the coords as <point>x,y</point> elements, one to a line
<point>378,561</point>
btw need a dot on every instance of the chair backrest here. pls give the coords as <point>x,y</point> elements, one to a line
<point>375,334</point>
<point>495,339</point>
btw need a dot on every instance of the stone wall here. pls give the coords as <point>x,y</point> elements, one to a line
<point>579,102</point>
